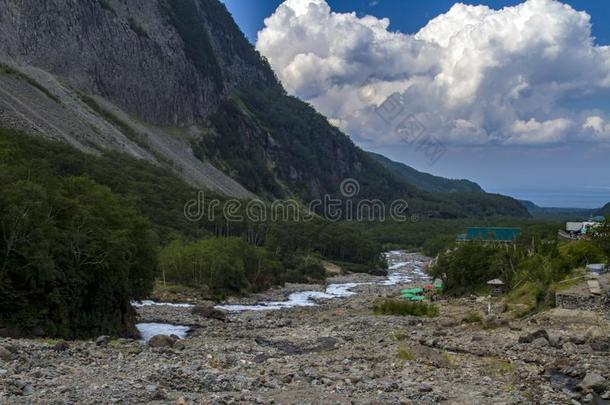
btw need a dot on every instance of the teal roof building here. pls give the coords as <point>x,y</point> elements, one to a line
<point>506,235</point>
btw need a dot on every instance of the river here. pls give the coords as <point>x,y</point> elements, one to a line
<point>403,268</point>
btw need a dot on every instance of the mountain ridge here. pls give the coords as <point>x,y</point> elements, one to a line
<point>426,181</point>
<point>177,84</point>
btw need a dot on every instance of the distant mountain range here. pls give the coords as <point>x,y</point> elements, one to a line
<point>564,213</point>
<point>426,181</point>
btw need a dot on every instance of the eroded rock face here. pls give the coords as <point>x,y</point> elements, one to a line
<point>137,54</point>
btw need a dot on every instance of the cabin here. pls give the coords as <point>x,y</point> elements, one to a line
<point>500,235</point>
<point>496,287</point>
<point>597,268</point>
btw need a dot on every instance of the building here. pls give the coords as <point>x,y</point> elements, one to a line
<point>502,235</point>
<point>496,287</point>
<point>597,268</point>
<point>580,230</point>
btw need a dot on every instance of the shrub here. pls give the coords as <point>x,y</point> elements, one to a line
<point>473,317</point>
<point>404,308</point>
<point>405,354</point>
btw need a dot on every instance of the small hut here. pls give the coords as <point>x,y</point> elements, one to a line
<point>496,286</point>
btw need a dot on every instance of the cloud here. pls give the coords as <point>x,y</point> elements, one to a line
<point>473,75</point>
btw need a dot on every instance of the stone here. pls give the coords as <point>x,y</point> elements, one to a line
<point>578,340</point>
<point>594,333</point>
<point>424,387</point>
<point>529,338</point>
<point>588,398</point>
<point>61,346</point>
<point>540,342</point>
<point>209,312</point>
<point>569,347</point>
<point>28,390</point>
<point>595,382</point>
<point>554,339</point>
<point>102,341</point>
<point>5,355</point>
<point>601,346</point>
<point>162,341</point>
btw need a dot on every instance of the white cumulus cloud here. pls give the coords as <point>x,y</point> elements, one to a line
<point>474,75</point>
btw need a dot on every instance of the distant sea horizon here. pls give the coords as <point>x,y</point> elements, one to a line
<point>587,198</point>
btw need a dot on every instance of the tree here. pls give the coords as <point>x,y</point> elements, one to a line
<point>74,256</point>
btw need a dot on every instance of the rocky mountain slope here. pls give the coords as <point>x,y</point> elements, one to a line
<point>176,83</point>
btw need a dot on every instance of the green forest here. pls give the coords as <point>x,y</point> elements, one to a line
<point>83,235</point>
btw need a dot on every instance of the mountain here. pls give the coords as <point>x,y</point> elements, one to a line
<point>426,181</point>
<point>177,84</point>
<point>555,213</point>
<point>605,210</point>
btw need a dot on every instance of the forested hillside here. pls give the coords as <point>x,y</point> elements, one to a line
<point>426,181</point>
<point>83,235</point>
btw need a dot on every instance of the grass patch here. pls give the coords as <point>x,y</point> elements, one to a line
<point>9,71</point>
<point>405,354</point>
<point>473,317</point>
<point>576,277</point>
<point>170,292</point>
<point>449,361</point>
<point>497,367</point>
<point>403,308</point>
<point>399,335</point>
<point>523,300</point>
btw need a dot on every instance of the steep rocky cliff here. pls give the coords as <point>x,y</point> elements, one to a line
<point>168,62</point>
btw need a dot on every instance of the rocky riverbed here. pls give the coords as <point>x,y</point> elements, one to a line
<point>334,352</point>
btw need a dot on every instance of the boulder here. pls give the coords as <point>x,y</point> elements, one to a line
<point>529,338</point>
<point>601,345</point>
<point>555,339</point>
<point>424,387</point>
<point>162,341</point>
<point>102,341</point>
<point>61,346</point>
<point>595,382</point>
<point>594,333</point>
<point>5,355</point>
<point>379,272</point>
<point>540,342</point>
<point>208,311</point>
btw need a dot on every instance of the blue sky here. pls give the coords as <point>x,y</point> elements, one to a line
<point>405,15</point>
<point>538,163</point>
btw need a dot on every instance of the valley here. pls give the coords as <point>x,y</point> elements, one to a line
<point>334,352</point>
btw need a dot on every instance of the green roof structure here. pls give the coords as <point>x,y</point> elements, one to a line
<point>491,234</point>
